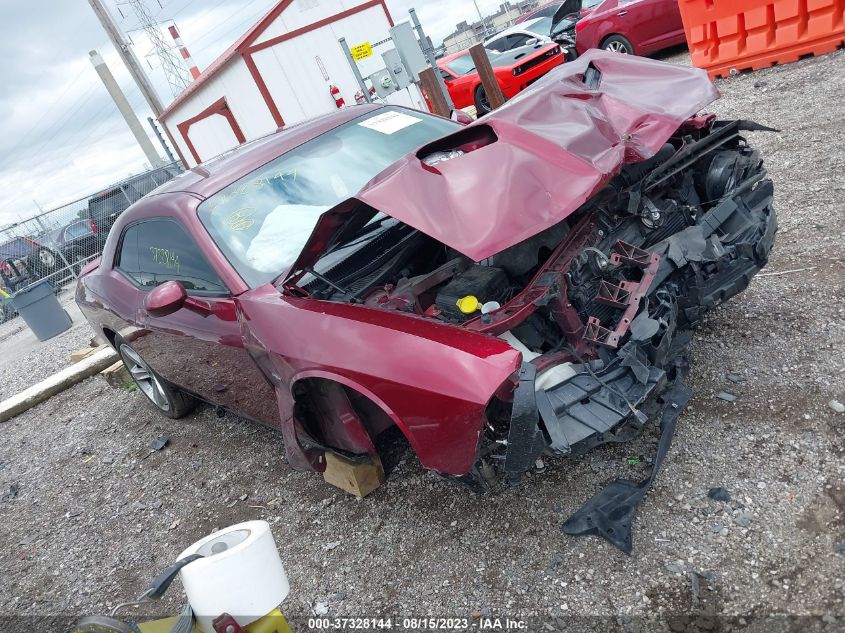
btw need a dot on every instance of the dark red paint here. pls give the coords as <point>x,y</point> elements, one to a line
<point>649,25</point>
<point>553,147</point>
<point>165,299</point>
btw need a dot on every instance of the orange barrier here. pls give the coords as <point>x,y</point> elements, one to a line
<point>729,36</point>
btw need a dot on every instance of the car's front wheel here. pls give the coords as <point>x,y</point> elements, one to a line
<point>168,399</point>
<point>618,44</point>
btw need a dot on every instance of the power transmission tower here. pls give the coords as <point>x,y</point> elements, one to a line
<point>176,73</point>
<point>121,45</point>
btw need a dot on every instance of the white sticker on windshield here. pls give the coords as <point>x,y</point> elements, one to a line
<point>390,122</point>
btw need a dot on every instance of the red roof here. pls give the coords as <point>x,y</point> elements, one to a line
<point>242,43</point>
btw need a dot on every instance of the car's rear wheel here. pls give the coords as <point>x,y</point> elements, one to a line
<point>482,103</point>
<point>168,399</point>
<point>618,44</point>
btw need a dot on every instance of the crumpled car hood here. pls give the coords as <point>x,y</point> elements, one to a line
<point>570,7</point>
<point>556,145</point>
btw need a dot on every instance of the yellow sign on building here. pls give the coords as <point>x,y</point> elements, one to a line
<point>361,51</point>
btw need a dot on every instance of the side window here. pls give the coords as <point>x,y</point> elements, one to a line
<point>77,229</point>
<point>127,259</point>
<point>156,251</point>
<point>498,45</point>
<point>515,41</point>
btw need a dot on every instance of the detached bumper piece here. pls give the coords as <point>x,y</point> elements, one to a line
<point>610,513</point>
<point>587,410</point>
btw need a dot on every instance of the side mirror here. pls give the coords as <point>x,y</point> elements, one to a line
<point>461,117</point>
<point>532,41</point>
<point>165,299</point>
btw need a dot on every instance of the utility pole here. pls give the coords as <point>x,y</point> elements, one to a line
<point>429,55</point>
<point>125,109</point>
<point>480,17</point>
<point>129,58</point>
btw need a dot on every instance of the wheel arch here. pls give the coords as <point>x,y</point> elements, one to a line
<point>111,336</point>
<point>356,387</point>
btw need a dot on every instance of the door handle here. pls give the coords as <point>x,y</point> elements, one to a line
<point>622,13</point>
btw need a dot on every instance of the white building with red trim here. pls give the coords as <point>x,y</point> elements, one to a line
<point>278,73</point>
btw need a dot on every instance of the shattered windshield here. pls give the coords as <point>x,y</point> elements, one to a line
<point>262,221</point>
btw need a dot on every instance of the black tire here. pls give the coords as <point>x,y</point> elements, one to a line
<point>618,44</point>
<point>43,263</point>
<point>76,260</point>
<point>482,103</point>
<point>167,398</point>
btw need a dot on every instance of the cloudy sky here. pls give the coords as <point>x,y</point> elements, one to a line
<point>61,136</point>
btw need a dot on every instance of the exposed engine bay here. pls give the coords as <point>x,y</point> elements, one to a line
<point>601,305</point>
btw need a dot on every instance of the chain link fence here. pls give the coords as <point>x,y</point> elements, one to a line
<point>55,245</point>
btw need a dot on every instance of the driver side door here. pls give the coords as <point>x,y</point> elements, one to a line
<point>199,347</point>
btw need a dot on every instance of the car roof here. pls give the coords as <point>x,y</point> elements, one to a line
<point>215,174</point>
<point>448,58</point>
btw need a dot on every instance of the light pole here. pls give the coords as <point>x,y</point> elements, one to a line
<point>481,19</point>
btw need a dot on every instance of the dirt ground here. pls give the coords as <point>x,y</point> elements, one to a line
<point>96,513</point>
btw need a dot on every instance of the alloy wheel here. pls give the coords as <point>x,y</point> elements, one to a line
<point>144,377</point>
<point>617,47</point>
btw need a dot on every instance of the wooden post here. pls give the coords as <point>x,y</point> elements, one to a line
<point>434,92</point>
<point>495,96</point>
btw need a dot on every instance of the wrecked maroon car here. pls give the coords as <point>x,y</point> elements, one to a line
<point>519,287</point>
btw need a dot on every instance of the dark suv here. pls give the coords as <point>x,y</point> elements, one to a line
<point>106,206</point>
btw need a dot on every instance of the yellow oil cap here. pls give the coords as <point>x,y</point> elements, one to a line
<point>468,304</point>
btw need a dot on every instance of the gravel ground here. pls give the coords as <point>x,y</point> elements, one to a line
<point>97,514</point>
<point>25,360</point>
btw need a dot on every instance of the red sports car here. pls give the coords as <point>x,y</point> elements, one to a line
<point>634,27</point>
<point>522,286</point>
<point>515,70</point>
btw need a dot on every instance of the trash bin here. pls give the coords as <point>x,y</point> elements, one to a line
<point>42,312</point>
